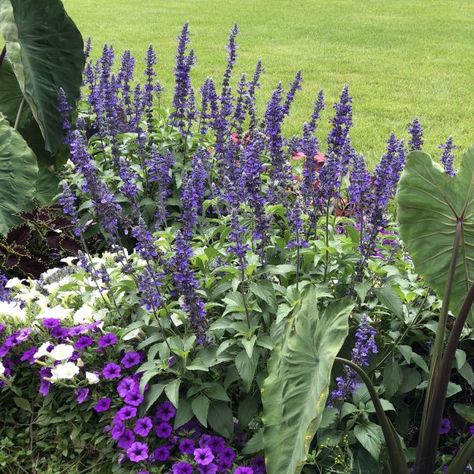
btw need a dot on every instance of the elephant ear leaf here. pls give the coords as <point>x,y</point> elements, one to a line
<point>295,391</point>
<point>45,49</point>
<point>430,205</point>
<point>18,170</point>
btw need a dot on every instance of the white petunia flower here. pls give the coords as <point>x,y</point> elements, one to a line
<point>65,371</point>
<point>12,310</point>
<point>57,312</point>
<point>13,283</point>
<point>92,378</point>
<point>42,351</point>
<point>85,314</point>
<point>62,352</point>
<point>131,335</point>
<point>2,368</point>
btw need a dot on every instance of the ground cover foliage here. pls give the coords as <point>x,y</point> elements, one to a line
<point>231,285</point>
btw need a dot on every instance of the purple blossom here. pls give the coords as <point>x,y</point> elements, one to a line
<point>445,426</point>
<point>416,133</point>
<point>117,429</point>
<point>182,468</point>
<point>165,411</point>
<point>4,292</point>
<point>68,202</point>
<point>161,453</point>
<point>447,157</point>
<point>134,398</point>
<point>28,355</point>
<point>208,469</point>
<point>244,470</point>
<point>102,405</point>
<point>143,426</point>
<point>111,371</point>
<point>226,95</point>
<point>107,340</point>
<point>203,456</point>
<point>45,385</point>
<point>137,452</point>
<point>126,440</point>
<point>83,342</point>
<point>163,430</point>
<point>126,413</point>
<point>126,386</point>
<point>186,446</point>
<point>290,96</point>
<point>130,359</point>
<point>81,395</point>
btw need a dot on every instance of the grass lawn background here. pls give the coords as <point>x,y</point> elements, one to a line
<point>401,58</point>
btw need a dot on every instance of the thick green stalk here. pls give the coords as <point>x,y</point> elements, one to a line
<point>398,462</point>
<point>462,458</point>
<point>427,448</point>
<point>441,329</point>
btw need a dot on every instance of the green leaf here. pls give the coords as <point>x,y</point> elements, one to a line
<point>468,374</point>
<point>264,290</point>
<point>220,419</point>
<point>430,203</point>
<point>248,408</point>
<point>254,444</point>
<point>386,405</point>
<point>152,396</point>
<point>249,344</point>
<point>390,299</point>
<point>467,412</point>
<point>453,388</point>
<point>183,414</point>
<point>246,366</point>
<point>22,403</point>
<point>200,406</point>
<point>392,378</point>
<point>411,379</point>
<point>172,392</point>
<point>46,51</point>
<point>295,391</point>
<point>370,436</point>
<point>11,95</point>
<point>18,173</point>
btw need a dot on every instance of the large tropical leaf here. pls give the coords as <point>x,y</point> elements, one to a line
<point>11,95</point>
<point>295,391</point>
<point>18,174</point>
<point>430,204</point>
<point>46,51</point>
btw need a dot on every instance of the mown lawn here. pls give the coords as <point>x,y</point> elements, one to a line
<point>401,58</point>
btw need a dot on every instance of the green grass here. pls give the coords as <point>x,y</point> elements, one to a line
<point>401,58</point>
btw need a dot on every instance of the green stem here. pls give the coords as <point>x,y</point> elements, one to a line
<point>326,241</point>
<point>3,54</point>
<point>18,114</point>
<point>427,447</point>
<point>440,332</point>
<point>463,457</point>
<point>242,290</point>
<point>394,446</point>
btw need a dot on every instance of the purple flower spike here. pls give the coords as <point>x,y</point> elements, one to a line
<point>416,132</point>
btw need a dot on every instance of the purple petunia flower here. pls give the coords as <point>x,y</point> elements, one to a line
<point>83,342</point>
<point>111,371</point>
<point>166,411</point>
<point>29,355</point>
<point>134,398</point>
<point>163,430</point>
<point>186,446</point>
<point>471,430</point>
<point>182,468</point>
<point>102,405</point>
<point>227,456</point>
<point>208,469</point>
<point>81,395</point>
<point>138,452</point>
<point>51,323</point>
<point>130,359</point>
<point>203,456</point>
<point>117,429</point>
<point>143,426</point>
<point>106,340</point>
<point>445,426</point>
<point>162,453</point>
<point>258,465</point>
<point>126,413</point>
<point>244,470</point>
<point>127,385</point>
<point>126,440</point>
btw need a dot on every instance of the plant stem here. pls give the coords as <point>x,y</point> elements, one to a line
<point>326,241</point>
<point>394,446</point>
<point>3,54</point>
<point>427,450</point>
<point>440,332</point>
<point>242,290</point>
<point>18,114</point>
